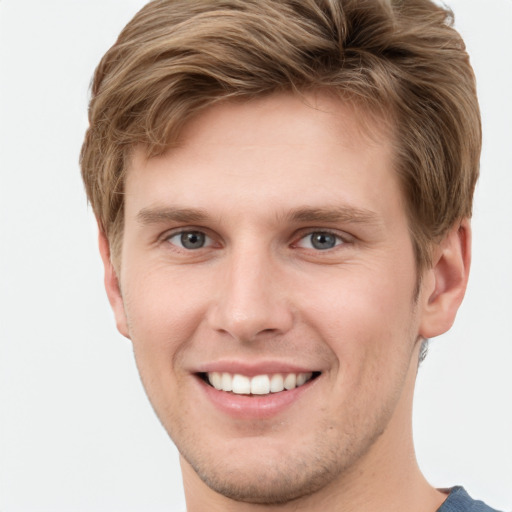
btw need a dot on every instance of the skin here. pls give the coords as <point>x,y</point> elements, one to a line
<point>258,291</point>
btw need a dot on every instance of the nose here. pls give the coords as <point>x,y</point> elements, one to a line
<point>252,299</point>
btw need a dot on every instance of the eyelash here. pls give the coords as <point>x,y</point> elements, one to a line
<point>183,232</point>
<point>340,240</point>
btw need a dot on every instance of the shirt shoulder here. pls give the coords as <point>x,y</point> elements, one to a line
<point>460,501</point>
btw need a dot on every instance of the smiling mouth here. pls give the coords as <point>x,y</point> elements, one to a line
<point>259,384</point>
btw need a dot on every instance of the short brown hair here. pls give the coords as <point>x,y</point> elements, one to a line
<point>399,58</point>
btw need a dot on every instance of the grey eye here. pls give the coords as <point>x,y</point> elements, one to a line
<point>322,241</point>
<point>192,239</point>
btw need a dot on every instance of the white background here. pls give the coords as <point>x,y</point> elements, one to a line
<point>77,433</point>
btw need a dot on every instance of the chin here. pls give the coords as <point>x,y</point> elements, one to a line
<point>273,483</point>
<point>269,472</point>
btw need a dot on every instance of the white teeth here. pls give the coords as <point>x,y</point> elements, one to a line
<point>241,385</point>
<point>215,380</point>
<point>302,378</point>
<point>258,385</point>
<point>226,382</point>
<point>290,381</point>
<point>277,383</point>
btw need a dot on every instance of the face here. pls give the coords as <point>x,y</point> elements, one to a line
<point>267,284</point>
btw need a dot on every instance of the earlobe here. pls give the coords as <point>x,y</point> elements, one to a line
<point>112,285</point>
<point>447,280</point>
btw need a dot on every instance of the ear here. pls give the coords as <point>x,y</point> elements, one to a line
<point>446,282</point>
<point>112,285</point>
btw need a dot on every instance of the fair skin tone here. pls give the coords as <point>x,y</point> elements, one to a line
<point>272,243</point>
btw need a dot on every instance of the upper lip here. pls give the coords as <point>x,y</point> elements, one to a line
<point>251,369</point>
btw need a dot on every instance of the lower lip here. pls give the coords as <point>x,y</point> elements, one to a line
<point>254,406</point>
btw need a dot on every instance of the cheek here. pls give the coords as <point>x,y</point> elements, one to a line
<point>163,312</point>
<point>364,314</point>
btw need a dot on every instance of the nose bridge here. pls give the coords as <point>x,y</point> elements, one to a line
<point>251,300</point>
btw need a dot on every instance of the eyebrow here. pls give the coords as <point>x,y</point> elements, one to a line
<point>148,216</point>
<point>348,214</point>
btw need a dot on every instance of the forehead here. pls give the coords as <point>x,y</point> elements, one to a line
<point>316,115</point>
<point>274,150</point>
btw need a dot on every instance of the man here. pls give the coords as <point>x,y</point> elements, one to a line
<point>283,191</point>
